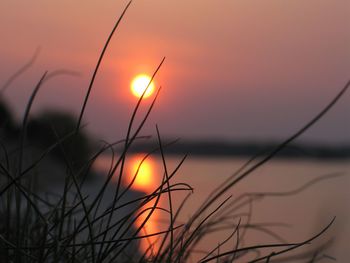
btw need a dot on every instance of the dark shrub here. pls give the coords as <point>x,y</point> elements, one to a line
<point>50,126</point>
<point>7,124</point>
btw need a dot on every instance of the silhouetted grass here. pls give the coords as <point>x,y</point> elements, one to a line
<point>77,226</point>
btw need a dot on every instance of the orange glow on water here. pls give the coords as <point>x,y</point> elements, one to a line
<point>141,172</point>
<point>149,244</point>
<point>146,180</point>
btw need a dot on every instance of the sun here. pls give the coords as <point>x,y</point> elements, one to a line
<point>140,83</point>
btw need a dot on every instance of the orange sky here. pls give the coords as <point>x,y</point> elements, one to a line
<point>233,69</point>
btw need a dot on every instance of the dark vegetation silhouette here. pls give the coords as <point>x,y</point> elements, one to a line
<point>76,226</point>
<point>46,128</point>
<point>8,127</point>
<point>219,149</point>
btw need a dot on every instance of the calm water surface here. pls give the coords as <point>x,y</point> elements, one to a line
<point>302,214</point>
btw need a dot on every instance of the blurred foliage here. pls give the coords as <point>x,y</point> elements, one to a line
<point>51,126</point>
<point>8,126</point>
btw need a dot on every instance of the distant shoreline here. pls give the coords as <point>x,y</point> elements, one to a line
<point>243,149</point>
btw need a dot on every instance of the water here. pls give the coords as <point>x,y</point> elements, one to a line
<point>293,217</point>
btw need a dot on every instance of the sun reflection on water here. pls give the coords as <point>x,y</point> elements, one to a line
<point>141,172</point>
<point>142,175</point>
<point>145,176</point>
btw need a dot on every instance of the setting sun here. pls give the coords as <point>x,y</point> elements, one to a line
<point>140,83</point>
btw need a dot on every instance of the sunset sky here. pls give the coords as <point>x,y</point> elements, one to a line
<point>234,69</point>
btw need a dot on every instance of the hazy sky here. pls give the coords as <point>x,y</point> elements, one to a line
<point>234,68</point>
